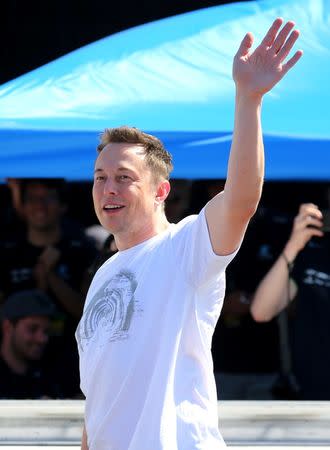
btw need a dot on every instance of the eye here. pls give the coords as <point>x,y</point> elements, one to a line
<point>99,178</point>
<point>32,329</point>
<point>123,177</point>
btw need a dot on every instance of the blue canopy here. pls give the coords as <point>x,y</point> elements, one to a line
<point>172,78</point>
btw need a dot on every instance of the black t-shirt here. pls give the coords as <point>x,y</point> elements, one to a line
<point>18,258</point>
<point>310,320</point>
<point>35,384</point>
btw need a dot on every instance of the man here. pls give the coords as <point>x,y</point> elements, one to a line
<point>302,273</point>
<point>25,323</point>
<point>145,335</point>
<point>48,256</point>
<point>52,257</point>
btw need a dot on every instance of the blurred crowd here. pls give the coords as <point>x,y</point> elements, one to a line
<point>273,335</point>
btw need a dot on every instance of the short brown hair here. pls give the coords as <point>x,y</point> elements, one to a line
<point>157,158</point>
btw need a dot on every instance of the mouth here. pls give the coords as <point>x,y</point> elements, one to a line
<point>112,209</point>
<point>36,351</point>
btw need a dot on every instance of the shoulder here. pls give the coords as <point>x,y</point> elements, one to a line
<point>191,228</point>
<point>186,224</point>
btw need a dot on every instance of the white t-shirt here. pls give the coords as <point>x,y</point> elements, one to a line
<point>145,344</point>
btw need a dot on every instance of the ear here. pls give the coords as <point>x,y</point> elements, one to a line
<point>162,192</point>
<point>7,326</point>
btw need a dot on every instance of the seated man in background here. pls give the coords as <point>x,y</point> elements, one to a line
<point>302,273</point>
<point>25,323</point>
<point>53,259</point>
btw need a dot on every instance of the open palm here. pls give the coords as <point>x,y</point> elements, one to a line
<point>255,73</point>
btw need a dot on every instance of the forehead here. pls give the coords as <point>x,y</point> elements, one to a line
<point>39,188</point>
<point>39,321</point>
<point>121,155</point>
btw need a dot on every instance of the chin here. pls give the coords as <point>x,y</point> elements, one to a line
<point>43,227</point>
<point>35,355</point>
<point>109,228</point>
<point>109,225</point>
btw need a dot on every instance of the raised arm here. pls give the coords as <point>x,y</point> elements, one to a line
<point>254,73</point>
<point>272,293</point>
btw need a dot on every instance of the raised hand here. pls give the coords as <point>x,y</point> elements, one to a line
<point>256,72</point>
<point>49,258</point>
<point>307,223</point>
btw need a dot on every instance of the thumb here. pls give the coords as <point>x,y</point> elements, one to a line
<point>245,46</point>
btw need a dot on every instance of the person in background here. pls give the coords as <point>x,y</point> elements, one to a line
<point>25,323</point>
<point>53,258</point>
<point>300,280</point>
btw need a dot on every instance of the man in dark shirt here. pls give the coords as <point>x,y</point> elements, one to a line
<point>25,322</point>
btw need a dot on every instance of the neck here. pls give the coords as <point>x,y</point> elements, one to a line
<point>42,238</point>
<point>124,241</point>
<point>16,364</point>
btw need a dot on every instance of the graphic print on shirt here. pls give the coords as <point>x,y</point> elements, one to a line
<point>315,277</point>
<point>110,311</point>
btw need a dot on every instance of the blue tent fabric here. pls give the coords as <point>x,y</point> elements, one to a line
<point>172,78</point>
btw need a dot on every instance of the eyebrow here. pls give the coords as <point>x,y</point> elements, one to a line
<point>120,169</point>
<point>125,169</point>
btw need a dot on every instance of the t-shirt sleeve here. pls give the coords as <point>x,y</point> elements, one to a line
<point>195,252</point>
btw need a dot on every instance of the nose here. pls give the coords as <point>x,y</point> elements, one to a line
<point>110,187</point>
<point>41,337</point>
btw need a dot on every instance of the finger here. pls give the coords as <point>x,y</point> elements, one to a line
<point>285,50</point>
<point>309,209</point>
<point>310,232</point>
<point>302,222</point>
<point>292,61</point>
<point>310,221</point>
<point>281,38</point>
<point>245,46</point>
<point>272,32</point>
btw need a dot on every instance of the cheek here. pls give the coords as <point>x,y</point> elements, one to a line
<point>54,212</point>
<point>95,195</point>
<point>23,341</point>
<point>27,211</point>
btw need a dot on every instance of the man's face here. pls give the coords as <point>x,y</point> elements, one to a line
<point>124,192</point>
<point>42,207</point>
<point>29,336</point>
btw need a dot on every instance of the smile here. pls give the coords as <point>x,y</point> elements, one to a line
<point>112,208</point>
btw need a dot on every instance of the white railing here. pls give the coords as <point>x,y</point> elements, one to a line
<point>59,423</point>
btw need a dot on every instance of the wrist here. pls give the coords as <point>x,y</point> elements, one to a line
<point>251,98</point>
<point>290,252</point>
